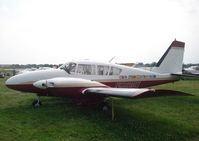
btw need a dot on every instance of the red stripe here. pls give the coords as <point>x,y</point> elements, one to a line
<point>143,84</point>
<point>75,92</point>
<point>72,90</point>
<point>178,44</point>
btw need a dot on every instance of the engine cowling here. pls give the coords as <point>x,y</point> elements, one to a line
<point>66,82</point>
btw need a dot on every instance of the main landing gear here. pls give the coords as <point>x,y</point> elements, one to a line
<point>105,107</point>
<point>36,103</point>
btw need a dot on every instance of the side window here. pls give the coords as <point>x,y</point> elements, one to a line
<point>85,69</point>
<point>72,67</point>
<point>69,68</point>
<point>115,71</point>
<point>93,70</point>
<point>102,70</point>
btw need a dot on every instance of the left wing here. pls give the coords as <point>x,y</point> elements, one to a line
<point>117,92</point>
<point>133,92</point>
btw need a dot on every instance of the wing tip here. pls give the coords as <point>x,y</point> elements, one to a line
<point>161,92</point>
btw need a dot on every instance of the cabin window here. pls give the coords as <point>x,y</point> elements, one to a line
<point>115,71</point>
<point>85,69</point>
<point>72,67</point>
<point>69,67</point>
<point>102,70</point>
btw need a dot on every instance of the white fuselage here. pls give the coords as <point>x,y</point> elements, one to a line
<point>112,75</point>
<point>76,78</point>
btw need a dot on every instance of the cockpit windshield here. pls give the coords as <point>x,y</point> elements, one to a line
<point>68,67</point>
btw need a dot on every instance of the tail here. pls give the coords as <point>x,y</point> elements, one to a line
<point>172,60</point>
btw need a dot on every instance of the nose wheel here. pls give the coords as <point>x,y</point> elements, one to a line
<point>36,103</point>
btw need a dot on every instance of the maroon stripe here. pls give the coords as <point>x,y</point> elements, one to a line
<point>137,84</point>
<point>25,88</point>
<point>60,92</point>
<point>76,91</point>
<point>178,44</point>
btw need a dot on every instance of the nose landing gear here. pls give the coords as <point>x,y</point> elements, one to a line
<point>36,103</point>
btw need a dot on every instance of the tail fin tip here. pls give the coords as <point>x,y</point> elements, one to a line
<point>176,43</point>
<point>172,59</point>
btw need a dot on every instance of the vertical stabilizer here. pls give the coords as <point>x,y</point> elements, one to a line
<point>172,60</point>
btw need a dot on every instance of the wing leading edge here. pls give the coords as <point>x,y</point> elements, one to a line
<point>117,92</point>
<point>133,93</point>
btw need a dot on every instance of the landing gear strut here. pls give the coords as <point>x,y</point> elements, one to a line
<point>36,103</point>
<point>105,107</point>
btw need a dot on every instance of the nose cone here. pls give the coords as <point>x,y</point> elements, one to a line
<point>24,82</point>
<point>15,83</point>
<point>11,81</point>
<point>41,84</point>
<point>19,82</point>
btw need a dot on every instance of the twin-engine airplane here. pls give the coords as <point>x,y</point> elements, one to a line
<point>92,82</point>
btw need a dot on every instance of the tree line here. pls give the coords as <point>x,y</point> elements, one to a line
<point>22,66</point>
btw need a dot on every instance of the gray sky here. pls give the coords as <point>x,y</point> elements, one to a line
<point>45,31</point>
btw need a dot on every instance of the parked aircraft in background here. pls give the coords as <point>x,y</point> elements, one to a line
<point>92,82</point>
<point>26,70</point>
<point>2,75</point>
<point>33,69</point>
<point>192,70</point>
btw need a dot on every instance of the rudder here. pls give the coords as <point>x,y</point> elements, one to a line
<point>172,60</point>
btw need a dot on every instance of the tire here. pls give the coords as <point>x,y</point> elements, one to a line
<point>104,107</point>
<point>36,103</point>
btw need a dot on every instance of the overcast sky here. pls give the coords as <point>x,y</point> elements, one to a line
<point>47,31</point>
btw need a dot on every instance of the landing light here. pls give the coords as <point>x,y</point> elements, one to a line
<point>41,84</point>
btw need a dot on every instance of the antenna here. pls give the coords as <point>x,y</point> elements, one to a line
<point>111,59</point>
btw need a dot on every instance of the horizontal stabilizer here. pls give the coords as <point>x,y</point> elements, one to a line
<point>195,76</point>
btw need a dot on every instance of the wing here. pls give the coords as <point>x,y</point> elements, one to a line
<point>134,93</point>
<point>117,92</point>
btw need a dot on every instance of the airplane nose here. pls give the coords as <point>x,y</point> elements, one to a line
<point>41,84</point>
<point>18,82</point>
<point>10,81</point>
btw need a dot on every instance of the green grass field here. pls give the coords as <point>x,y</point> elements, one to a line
<point>150,119</point>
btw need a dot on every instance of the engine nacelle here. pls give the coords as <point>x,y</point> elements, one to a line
<point>66,82</point>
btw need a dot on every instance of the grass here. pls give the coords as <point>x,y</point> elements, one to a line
<point>151,119</point>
